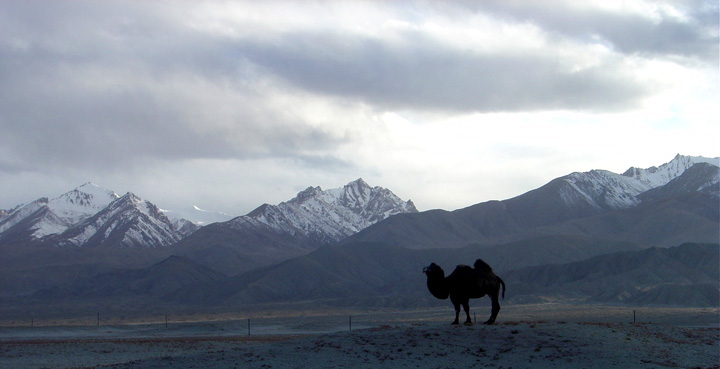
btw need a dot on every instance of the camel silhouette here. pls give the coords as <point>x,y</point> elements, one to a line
<point>466,283</point>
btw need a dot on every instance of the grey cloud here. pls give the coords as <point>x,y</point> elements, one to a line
<point>124,131</point>
<point>628,33</point>
<point>115,89</point>
<point>99,85</point>
<point>53,118</point>
<point>421,73</point>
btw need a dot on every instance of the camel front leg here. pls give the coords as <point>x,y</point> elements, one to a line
<point>457,312</point>
<point>466,307</point>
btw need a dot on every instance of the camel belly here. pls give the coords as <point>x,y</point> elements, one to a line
<point>477,295</point>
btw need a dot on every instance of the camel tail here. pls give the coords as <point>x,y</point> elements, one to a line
<point>503,286</point>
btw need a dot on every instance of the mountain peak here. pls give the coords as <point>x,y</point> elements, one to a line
<point>358,189</point>
<point>307,193</point>
<point>358,183</point>
<point>81,202</point>
<point>94,190</point>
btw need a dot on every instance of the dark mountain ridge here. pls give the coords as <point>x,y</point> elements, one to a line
<point>374,275</point>
<point>164,277</point>
<point>687,275</point>
<point>369,271</point>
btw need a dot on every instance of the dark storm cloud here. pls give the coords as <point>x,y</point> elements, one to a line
<point>425,74</point>
<point>72,126</point>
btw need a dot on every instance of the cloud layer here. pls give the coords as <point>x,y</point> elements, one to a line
<point>277,96</point>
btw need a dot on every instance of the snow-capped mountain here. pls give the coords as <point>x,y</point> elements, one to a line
<point>90,215</point>
<point>330,215</point>
<point>128,221</point>
<point>603,189</point>
<point>273,233</point>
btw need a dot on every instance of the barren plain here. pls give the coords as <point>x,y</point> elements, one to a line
<point>525,336</point>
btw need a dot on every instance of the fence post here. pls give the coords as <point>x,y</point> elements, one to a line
<point>350,321</point>
<point>248,327</point>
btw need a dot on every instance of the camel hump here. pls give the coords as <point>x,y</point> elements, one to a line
<point>482,266</point>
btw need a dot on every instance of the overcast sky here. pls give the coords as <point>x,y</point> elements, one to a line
<point>228,105</point>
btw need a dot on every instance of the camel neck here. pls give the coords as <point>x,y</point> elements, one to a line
<point>438,287</point>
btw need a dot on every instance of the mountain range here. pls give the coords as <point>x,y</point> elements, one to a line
<point>598,203</point>
<point>363,246</point>
<point>91,217</point>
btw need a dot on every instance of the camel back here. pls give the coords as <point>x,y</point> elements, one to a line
<point>482,266</point>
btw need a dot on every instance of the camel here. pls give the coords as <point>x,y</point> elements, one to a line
<point>466,283</point>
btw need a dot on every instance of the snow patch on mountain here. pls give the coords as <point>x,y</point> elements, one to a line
<point>662,175</point>
<point>196,215</point>
<point>712,182</point>
<point>21,212</point>
<point>48,224</point>
<point>606,190</point>
<point>603,189</point>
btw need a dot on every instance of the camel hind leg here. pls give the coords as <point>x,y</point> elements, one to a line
<point>495,309</point>
<point>457,314</point>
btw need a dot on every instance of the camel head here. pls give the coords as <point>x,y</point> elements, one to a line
<point>436,281</point>
<point>434,270</point>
